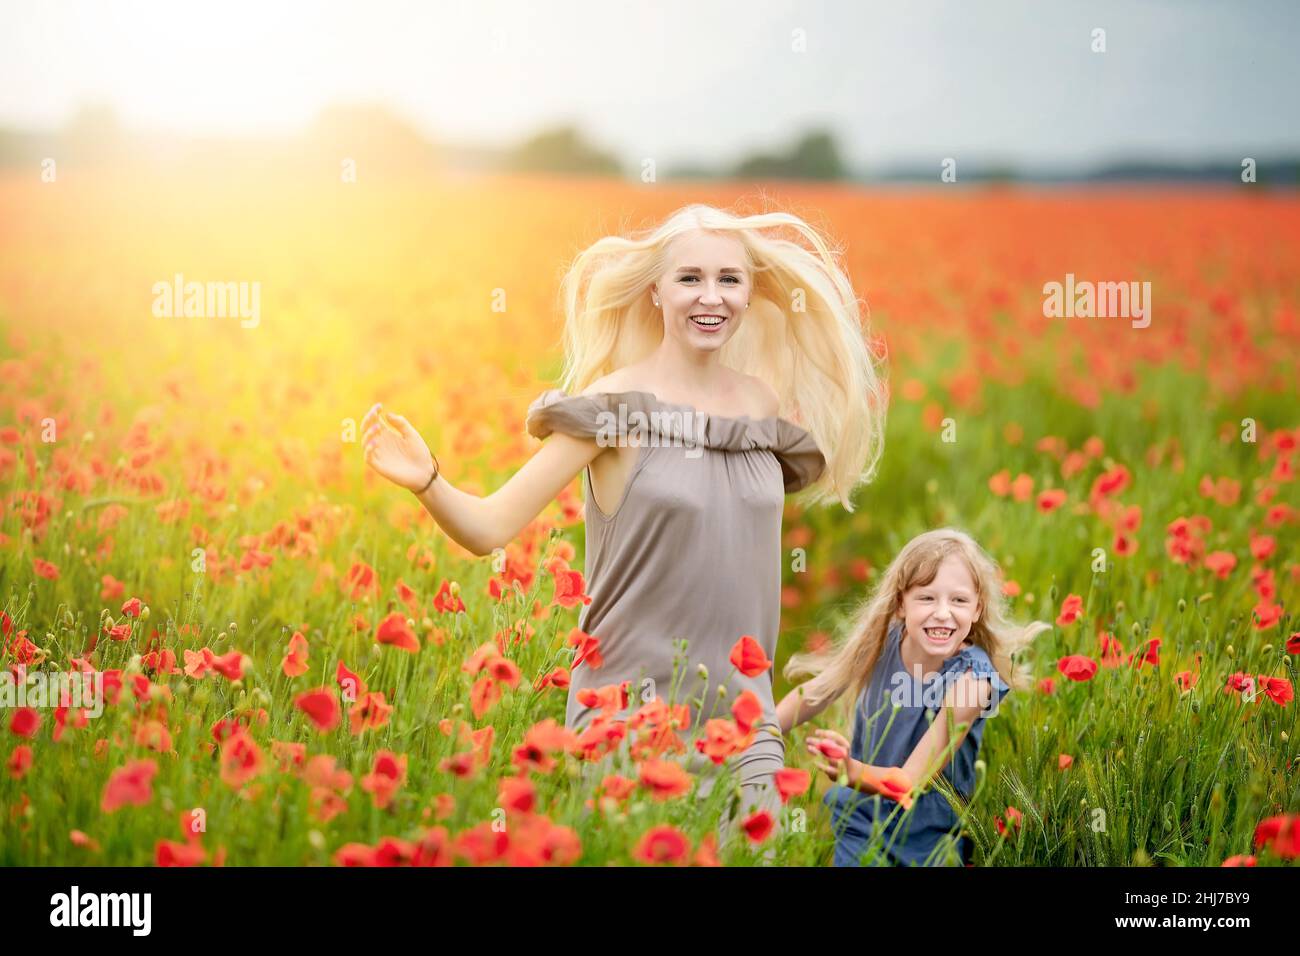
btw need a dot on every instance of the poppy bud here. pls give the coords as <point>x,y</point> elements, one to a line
<point>1182,605</point>
<point>703,672</point>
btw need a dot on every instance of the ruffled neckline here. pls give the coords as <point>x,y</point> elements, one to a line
<point>724,432</point>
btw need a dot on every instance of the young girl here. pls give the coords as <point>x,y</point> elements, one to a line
<point>928,658</point>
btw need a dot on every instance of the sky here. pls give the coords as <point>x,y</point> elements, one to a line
<point>688,80</point>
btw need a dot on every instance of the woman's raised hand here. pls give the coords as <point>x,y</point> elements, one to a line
<point>395,449</point>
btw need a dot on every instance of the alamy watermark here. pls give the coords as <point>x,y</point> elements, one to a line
<point>208,300</point>
<point>906,691</point>
<point>656,429</point>
<point>76,690</point>
<point>1087,300</point>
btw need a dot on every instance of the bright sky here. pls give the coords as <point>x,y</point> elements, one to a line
<point>683,80</point>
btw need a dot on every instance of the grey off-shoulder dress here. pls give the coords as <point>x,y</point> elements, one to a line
<point>692,551</point>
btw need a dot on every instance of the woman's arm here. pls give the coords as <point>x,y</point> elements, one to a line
<point>396,450</point>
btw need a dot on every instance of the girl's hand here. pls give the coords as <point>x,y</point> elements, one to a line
<point>832,751</point>
<point>395,449</point>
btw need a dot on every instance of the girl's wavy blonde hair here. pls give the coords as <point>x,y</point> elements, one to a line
<point>849,666</point>
<point>804,332</point>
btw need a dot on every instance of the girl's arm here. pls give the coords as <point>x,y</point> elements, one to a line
<point>396,450</point>
<point>794,710</point>
<point>965,700</point>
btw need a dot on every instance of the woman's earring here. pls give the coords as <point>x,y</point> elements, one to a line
<point>656,298</point>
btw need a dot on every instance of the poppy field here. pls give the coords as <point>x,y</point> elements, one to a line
<point>299,668</point>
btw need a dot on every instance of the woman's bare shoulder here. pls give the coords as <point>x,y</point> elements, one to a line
<point>762,397</point>
<point>619,380</point>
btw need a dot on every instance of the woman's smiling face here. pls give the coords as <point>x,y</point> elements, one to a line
<point>705,290</point>
<point>938,616</point>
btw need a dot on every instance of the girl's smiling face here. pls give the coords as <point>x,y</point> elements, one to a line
<point>937,616</point>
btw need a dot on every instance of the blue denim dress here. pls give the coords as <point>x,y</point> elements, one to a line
<point>885,736</point>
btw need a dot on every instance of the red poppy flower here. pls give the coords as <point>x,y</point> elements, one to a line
<point>1012,823</point>
<point>720,740</point>
<point>484,695</point>
<point>131,608</point>
<point>45,569</point>
<point>1050,500</point>
<point>662,844</point>
<point>747,710</point>
<point>758,826</point>
<point>20,761</point>
<point>517,794</point>
<point>321,707</point>
<point>351,685</point>
<point>386,777</point>
<point>24,722</point>
<point>570,589</point>
<point>132,783</point>
<point>588,650</point>
<point>1278,689</point>
<point>1071,609</point>
<point>360,581</point>
<point>791,782</point>
<point>1063,761</point>
<point>1281,834</point>
<point>295,662</point>
<point>447,600</point>
<point>1221,563</point>
<point>229,665</point>
<point>1267,615</point>
<point>1077,667</point>
<point>665,779</point>
<point>749,657</point>
<point>394,630</point>
<point>832,750</point>
<point>370,712</point>
<point>241,759</point>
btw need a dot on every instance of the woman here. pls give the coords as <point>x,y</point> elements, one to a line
<point>684,347</point>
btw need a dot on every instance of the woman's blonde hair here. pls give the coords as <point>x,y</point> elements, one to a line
<point>804,332</point>
<point>850,664</point>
